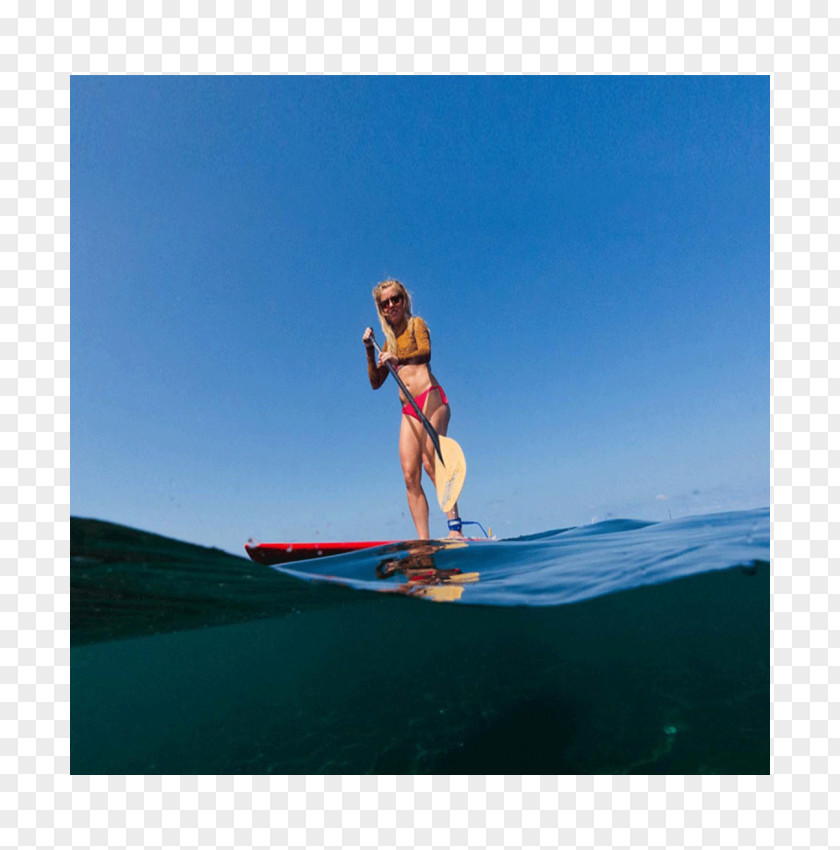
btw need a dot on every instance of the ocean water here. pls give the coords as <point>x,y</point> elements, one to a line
<point>620,647</point>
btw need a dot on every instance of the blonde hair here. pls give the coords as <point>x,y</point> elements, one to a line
<point>390,336</point>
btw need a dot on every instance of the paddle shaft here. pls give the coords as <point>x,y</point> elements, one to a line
<point>430,429</point>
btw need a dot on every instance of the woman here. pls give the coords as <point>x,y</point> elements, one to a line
<point>408,349</point>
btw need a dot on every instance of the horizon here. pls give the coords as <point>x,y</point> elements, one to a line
<point>500,539</point>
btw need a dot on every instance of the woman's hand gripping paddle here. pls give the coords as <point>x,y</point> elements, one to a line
<point>452,469</point>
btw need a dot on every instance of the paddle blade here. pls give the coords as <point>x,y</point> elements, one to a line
<point>449,477</point>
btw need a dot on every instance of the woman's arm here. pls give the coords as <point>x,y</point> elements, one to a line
<point>376,373</point>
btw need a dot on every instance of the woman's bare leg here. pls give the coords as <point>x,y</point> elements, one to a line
<point>439,417</point>
<point>411,450</point>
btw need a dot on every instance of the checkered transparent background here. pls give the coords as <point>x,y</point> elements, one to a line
<point>42,44</point>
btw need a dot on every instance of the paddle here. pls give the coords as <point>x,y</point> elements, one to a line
<point>451,456</point>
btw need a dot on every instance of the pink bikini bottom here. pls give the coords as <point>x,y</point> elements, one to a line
<point>408,410</point>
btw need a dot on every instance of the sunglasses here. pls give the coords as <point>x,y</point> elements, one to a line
<point>393,301</point>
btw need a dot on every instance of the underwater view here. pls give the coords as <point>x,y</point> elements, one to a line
<point>614,648</point>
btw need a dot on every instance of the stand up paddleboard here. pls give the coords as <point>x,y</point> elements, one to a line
<point>269,554</point>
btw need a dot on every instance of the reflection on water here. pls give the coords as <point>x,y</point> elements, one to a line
<point>422,575</point>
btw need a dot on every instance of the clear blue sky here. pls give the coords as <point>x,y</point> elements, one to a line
<point>591,255</point>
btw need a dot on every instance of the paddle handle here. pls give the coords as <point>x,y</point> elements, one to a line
<point>430,429</point>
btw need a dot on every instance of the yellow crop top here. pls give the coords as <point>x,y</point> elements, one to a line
<point>413,346</point>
